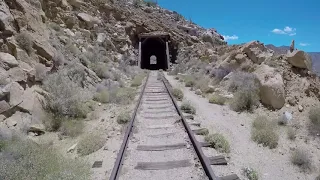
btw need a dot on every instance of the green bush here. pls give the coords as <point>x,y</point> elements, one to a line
<point>314,116</point>
<point>177,93</point>
<point>203,132</point>
<point>188,108</point>
<point>137,80</point>
<point>25,41</point>
<point>301,158</point>
<point>244,99</point>
<point>251,174</point>
<point>263,132</point>
<point>189,81</point>
<point>28,160</point>
<point>90,144</point>
<point>103,96</point>
<point>218,142</point>
<point>123,118</point>
<point>71,128</point>
<point>101,69</point>
<point>217,99</point>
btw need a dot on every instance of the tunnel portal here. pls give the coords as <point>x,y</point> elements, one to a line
<point>154,51</point>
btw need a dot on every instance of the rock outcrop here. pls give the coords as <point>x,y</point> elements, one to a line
<point>292,46</point>
<point>300,59</point>
<point>256,51</point>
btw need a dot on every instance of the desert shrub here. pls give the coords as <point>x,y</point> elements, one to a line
<point>71,128</point>
<point>101,69</point>
<point>41,72</point>
<point>291,132</point>
<point>203,85</point>
<point>51,122</point>
<point>177,93</point>
<point>137,80</point>
<point>66,97</point>
<point>251,174</point>
<point>314,116</point>
<point>188,108</point>
<point>263,132</point>
<point>102,96</point>
<point>2,144</point>
<point>242,80</point>
<point>122,95</point>
<point>318,178</point>
<point>217,99</point>
<point>28,160</point>
<point>301,158</point>
<point>219,142</point>
<point>90,144</point>
<point>25,41</point>
<point>123,117</point>
<point>189,81</point>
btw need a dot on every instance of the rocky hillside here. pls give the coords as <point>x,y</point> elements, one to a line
<point>315,56</point>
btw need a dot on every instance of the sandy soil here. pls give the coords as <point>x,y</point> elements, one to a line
<point>270,164</point>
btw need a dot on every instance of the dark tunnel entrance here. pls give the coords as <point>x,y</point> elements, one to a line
<point>154,51</point>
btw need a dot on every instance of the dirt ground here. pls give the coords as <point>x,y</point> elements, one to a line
<point>271,164</point>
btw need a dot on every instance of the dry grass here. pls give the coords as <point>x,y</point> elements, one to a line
<point>177,93</point>
<point>292,133</point>
<point>101,69</point>
<point>301,158</point>
<point>71,128</point>
<point>189,81</point>
<point>203,132</point>
<point>203,85</point>
<point>217,99</point>
<point>102,96</point>
<point>28,160</point>
<point>25,41</point>
<point>188,108</point>
<point>90,144</point>
<point>314,116</point>
<point>123,118</point>
<point>219,142</point>
<point>263,132</point>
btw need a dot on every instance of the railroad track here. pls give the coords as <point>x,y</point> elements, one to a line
<point>159,143</point>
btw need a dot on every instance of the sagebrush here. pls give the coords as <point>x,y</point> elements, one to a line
<point>90,144</point>
<point>263,132</point>
<point>301,158</point>
<point>123,118</point>
<point>217,99</point>
<point>188,108</point>
<point>219,142</point>
<point>177,93</point>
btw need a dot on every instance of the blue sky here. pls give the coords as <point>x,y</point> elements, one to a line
<point>269,21</point>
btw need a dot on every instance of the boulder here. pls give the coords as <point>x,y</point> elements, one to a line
<point>15,93</point>
<point>5,132</point>
<point>38,129</point>
<point>256,51</point>
<point>4,106</point>
<point>17,74</point>
<point>7,61</point>
<point>272,91</point>
<point>88,19</point>
<point>19,120</point>
<point>300,59</point>
<point>101,37</point>
<point>44,49</point>
<point>212,37</point>
<point>31,100</point>
<point>4,77</point>
<point>6,19</point>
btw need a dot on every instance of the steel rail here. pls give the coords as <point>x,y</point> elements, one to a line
<point>203,159</point>
<point>117,165</point>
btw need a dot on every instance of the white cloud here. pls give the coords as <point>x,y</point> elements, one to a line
<point>286,30</point>
<point>233,37</point>
<point>304,44</point>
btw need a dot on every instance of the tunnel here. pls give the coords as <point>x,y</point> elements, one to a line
<point>154,51</point>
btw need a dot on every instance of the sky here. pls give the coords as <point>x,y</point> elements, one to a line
<point>275,22</point>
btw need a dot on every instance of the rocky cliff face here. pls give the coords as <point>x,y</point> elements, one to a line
<point>89,44</point>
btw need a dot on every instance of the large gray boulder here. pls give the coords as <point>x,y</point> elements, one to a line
<point>88,19</point>
<point>300,59</point>
<point>256,51</point>
<point>7,61</point>
<point>272,91</point>
<point>15,93</point>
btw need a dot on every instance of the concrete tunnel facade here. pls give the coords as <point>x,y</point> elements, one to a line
<point>154,51</point>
